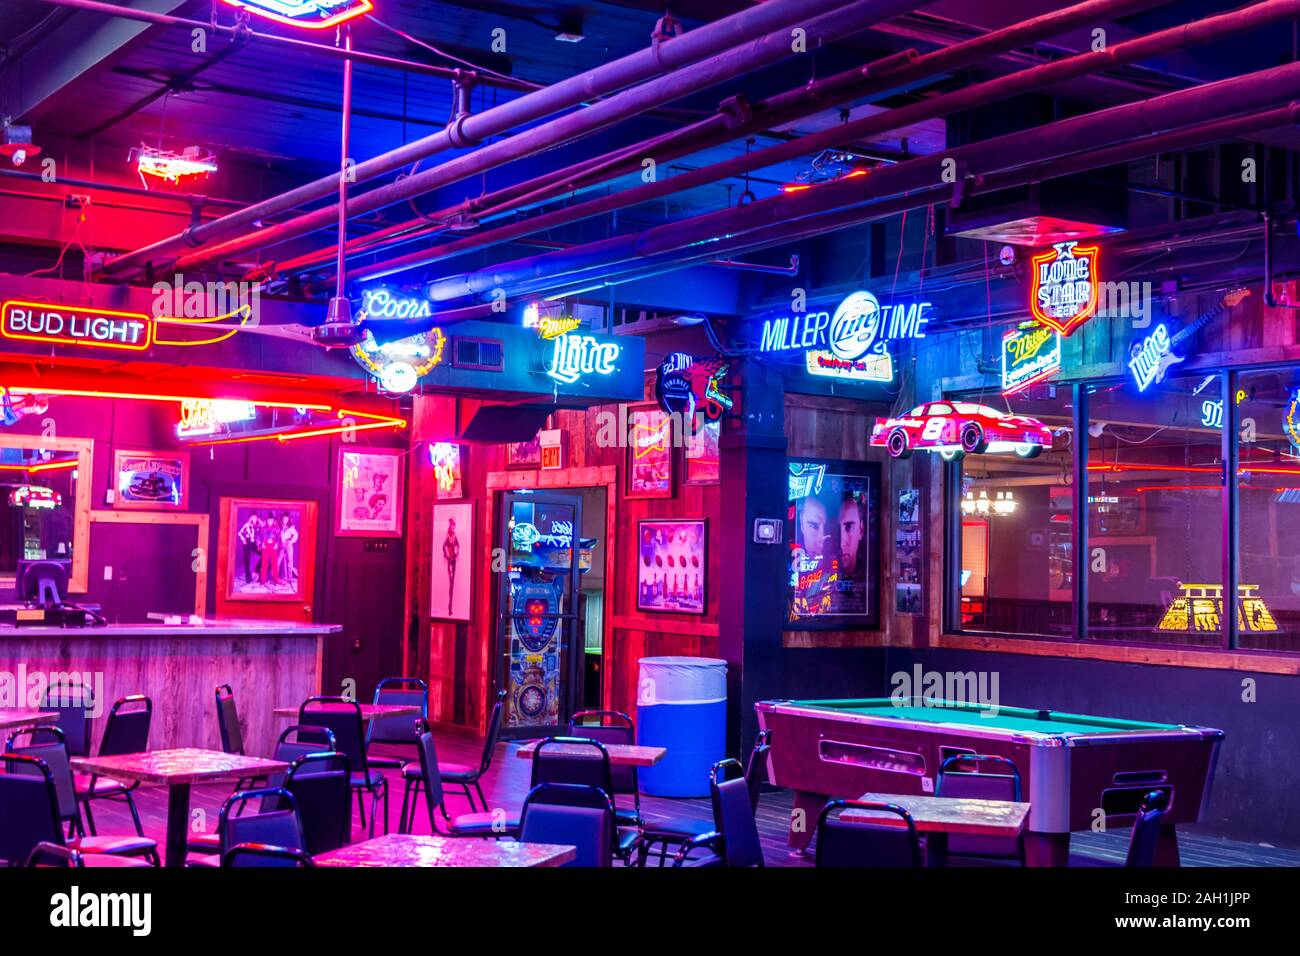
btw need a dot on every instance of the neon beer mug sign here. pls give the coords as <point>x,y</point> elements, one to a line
<point>575,356</point>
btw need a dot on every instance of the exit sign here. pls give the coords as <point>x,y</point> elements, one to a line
<point>551,442</point>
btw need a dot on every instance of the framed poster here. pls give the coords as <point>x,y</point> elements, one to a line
<point>453,560</point>
<point>672,561</point>
<point>649,453</point>
<point>267,545</point>
<point>703,459</point>
<point>368,503</point>
<point>833,532</point>
<point>524,454</point>
<point>151,479</point>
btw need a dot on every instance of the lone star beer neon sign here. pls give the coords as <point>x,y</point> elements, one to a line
<point>311,14</point>
<point>1065,285</point>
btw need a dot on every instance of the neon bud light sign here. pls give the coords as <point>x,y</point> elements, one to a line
<point>1065,285</point>
<point>311,14</point>
<point>579,355</point>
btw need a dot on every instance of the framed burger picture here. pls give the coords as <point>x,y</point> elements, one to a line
<point>649,452</point>
<point>151,479</point>
<point>672,564</point>
<point>369,499</point>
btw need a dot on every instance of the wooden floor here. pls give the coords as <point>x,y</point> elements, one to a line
<point>507,782</point>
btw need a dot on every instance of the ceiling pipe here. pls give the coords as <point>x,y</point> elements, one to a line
<point>662,57</point>
<point>1159,43</point>
<point>771,48</point>
<point>245,32</point>
<point>784,233</point>
<point>871,78</point>
<point>1250,92</point>
<point>836,220</point>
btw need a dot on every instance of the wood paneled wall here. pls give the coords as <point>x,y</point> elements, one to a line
<point>458,658</point>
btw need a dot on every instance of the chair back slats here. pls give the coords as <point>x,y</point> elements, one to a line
<point>733,816</point>
<point>232,737</point>
<point>342,718</point>
<point>608,727</point>
<point>127,729</point>
<point>854,843</point>
<point>281,827</point>
<point>49,745</point>
<point>29,808</point>
<point>576,760</point>
<point>73,702</point>
<point>954,780</point>
<point>1145,838</point>
<point>405,691</point>
<point>573,815</point>
<point>320,784</point>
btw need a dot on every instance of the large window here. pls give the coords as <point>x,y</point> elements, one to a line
<point>1155,513</point>
<point>1154,567</point>
<point>1016,541</point>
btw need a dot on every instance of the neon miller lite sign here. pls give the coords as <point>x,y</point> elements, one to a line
<point>575,356</point>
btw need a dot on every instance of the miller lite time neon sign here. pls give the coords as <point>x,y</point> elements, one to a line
<point>1065,285</point>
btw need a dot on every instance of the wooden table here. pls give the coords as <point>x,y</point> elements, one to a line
<point>177,770</point>
<point>622,755</point>
<point>404,849</point>
<point>939,816</point>
<point>14,717</point>
<point>368,711</point>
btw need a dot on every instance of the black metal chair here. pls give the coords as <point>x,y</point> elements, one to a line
<point>429,783</point>
<point>613,727</point>
<point>582,761</point>
<point>1145,838</point>
<point>125,732</point>
<point>29,815</point>
<point>666,832</point>
<point>321,784</point>
<point>72,701</point>
<point>232,736</point>
<point>264,854</point>
<point>343,718</point>
<point>51,745</point>
<point>859,843</point>
<point>954,781</point>
<point>461,777</point>
<point>734,842</point>
<point>576,815</point>
<point>396,731</point>
<point>276,822</point>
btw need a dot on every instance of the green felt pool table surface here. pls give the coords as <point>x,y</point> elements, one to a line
<point>1011,719</point>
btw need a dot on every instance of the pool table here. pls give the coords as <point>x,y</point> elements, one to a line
<point>1070,765</point>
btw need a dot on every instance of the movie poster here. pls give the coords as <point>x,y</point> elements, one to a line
<point>833,531</point>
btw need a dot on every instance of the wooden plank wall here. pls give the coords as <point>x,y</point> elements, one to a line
<point>458,658</point>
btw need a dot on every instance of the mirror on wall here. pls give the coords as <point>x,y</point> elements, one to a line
<point>44,503</point>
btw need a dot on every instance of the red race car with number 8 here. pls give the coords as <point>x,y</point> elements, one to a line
<point>956,429</point>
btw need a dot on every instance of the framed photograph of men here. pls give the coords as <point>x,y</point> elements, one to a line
<point>267,545</point>
<point>833,532</point>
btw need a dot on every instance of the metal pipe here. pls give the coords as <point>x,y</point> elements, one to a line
<point>344,159</point>
<point>1158,43</point>
<point>1094,159</point>
<point>790,106</point>
<point>771,48</point>
<point>359,56</point>
<point>659,59</point>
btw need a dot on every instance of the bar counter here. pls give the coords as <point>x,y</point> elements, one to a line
<point>269,664</point>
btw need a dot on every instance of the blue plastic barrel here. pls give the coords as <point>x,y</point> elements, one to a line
<point>682,705</point>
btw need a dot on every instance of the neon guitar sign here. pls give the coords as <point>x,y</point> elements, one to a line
<point>1151,358</point>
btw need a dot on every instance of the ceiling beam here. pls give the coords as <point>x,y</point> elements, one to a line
<point>84,45</point>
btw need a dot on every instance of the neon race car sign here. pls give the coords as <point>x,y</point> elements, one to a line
<point>851,342</point>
